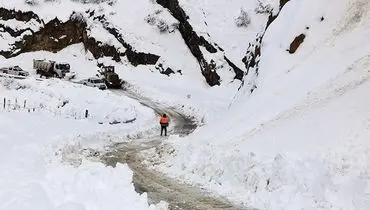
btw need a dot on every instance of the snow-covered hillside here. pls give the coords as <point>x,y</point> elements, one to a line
<point>190,39</point>
<point>300,141</point>
<point>278,89</point>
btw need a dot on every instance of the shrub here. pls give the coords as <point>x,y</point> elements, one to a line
<point>162,26</point>
<point>263,8</point>
<point>150,19</point>
<point>243,19</point>
<point>32,2</point>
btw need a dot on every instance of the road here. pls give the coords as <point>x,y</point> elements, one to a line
<point>157,185</point>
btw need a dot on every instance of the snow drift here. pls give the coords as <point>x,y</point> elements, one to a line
<point>299,141</point>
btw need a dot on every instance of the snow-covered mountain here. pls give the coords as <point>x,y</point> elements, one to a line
<point>278,89</point>
<point>170,33</point>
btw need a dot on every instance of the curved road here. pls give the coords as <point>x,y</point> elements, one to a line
<point>157,185</point>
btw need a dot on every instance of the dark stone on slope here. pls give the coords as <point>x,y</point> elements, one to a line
<point>296,43</point>
<point>140,58</point>
<point>168,70</point>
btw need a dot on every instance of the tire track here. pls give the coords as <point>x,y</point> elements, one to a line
<point>156,184</point>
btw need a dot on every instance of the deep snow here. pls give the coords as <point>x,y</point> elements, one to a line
<point>43,141</point>
<point>298,142</point>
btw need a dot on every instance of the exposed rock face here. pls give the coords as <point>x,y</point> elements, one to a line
<point>56,35</point>
<point>53,37</point>
<point>282,3</point>
<point>251,59</point>
<point>135,58</point>
<point>193,41</point>
<point>253,54</point>
<point>7,14</point>
<point>296,43</point>
<point>239,74</point>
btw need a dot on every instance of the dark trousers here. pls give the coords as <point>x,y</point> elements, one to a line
<point>164,128</point>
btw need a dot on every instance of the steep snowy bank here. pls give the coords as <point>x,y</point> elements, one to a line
<point>299,141</point>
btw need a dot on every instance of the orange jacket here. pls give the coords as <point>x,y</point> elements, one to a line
<point>164,120</point>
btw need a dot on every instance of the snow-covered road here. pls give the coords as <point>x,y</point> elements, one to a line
<point>157,185</point>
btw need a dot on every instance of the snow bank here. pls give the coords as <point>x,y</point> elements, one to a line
<point>33,177</point>
<point>95,186</point>
<point>300,140</point>
<point>64,100</point>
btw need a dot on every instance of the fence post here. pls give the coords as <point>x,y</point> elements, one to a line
<point>24,104</point>
<point>86,113</point>
<point>4,102</point>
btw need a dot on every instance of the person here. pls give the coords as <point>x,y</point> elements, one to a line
<point>164,124</point>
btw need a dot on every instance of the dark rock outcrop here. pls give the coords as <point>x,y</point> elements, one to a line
<point>239,74</point>
<point>12,32</point>
<point>251,59</point>
<point>56,35</point>
<point>253,54</point>
<point>296,43</point>
<point>167,72</point>
<point>193,41</point>
<point>52,36</point>
<point>282,3</point>
<point>18,15</point>
<point>135,58</point>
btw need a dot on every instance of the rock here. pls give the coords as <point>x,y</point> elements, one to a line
<point>193,41</point>
<point>296,43</point>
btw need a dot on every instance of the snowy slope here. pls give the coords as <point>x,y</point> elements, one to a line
<point>215,20</point>
<point>44,133</point>
<point>140,26</point>
<point>300,140</point>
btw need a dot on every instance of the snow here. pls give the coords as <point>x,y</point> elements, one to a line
<point>130,20</point>
<point>299,141</point>
<point>42,144</point>
<point>33,177</point>
<point>214,20</point>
